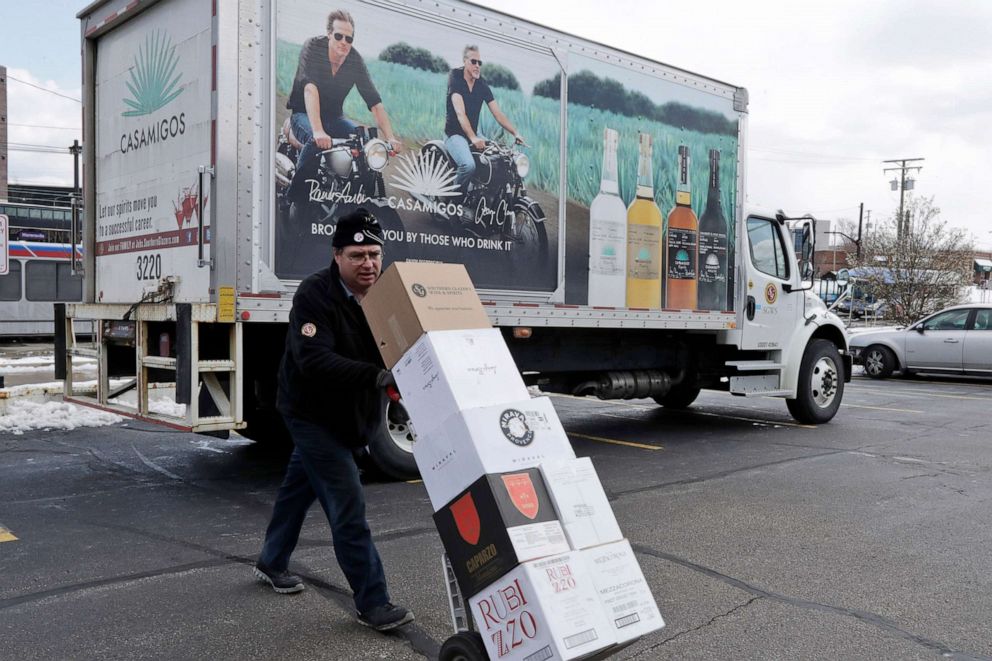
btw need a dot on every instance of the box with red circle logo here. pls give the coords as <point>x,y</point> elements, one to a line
<point>491,439</point>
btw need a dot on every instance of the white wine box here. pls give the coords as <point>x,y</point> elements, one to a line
<point>583,508</point>
<point>624,593</point>
<point>445,372</point>
<point>543,609</point>
<point>493,439</point>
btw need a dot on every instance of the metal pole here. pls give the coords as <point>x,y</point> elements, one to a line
<point>861,213</point>
<point>902,198</point>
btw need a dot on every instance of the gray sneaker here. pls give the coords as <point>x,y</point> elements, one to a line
<point>281,581</point>
<point>386,617</point>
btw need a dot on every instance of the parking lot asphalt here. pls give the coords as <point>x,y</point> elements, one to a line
<point>866,538</point>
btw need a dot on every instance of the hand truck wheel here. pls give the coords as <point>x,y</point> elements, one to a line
<point>464,646</point>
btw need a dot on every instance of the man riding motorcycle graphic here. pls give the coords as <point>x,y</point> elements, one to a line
<point>467,91</point>
<point>336,161</point>
<point>328,70</point>
<point>483,193</point>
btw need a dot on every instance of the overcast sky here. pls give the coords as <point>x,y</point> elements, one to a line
<point>835,88</point>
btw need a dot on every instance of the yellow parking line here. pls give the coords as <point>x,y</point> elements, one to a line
<point>414,481</point>
<point>879,408</point>
<point>613,441</point>
<point>6,535</point>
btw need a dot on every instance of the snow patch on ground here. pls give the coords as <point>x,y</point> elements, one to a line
<point>28,415</point>
<point>41,363</point>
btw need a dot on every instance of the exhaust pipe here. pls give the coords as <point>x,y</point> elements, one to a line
<point>633,385</point>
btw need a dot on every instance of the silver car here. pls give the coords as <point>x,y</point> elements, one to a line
<point>956,340</point>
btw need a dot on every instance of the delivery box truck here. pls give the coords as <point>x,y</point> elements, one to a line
<point>595,197</point>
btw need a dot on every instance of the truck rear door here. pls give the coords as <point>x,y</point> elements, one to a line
<point>153,108</point>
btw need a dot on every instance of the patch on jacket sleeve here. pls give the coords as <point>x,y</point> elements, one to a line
<point>309,329</point>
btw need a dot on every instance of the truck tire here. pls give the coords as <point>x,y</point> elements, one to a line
<point>681,396</point>
<point>391,448</point>
<point>879,361</point>
<point>464,646</point>
<point>821,384</point>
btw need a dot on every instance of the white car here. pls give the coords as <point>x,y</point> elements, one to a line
<point>957,340</point>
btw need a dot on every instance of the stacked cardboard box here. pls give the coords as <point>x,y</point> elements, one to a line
<point>526,525</point>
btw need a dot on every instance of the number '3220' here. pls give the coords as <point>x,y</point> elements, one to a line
<point>149,267</point>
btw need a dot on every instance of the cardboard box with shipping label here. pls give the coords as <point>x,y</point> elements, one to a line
<point>492,439</point>
<point>543,609</point>
<point>497,523</point>
<point>584,510</point>
<point>412,298</point>
<point>624,593</point>
<point>449,371</point>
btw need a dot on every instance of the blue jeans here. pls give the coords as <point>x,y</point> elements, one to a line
<point>300,123</point>
<point>322,468</point>
<point>460,151</point>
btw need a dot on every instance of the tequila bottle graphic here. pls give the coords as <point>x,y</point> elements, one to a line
<point>644,236</point>
<point>713,245</point>
<point>608,233</point>
<point>681,243</point>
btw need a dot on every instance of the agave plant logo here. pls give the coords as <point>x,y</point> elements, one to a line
<point>426,174</point>
<point>152,83</point>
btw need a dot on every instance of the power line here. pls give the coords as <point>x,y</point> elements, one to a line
<point>33,190</point>
<point>45,126</point>
<point>43,89</point>
<point>38,149</point>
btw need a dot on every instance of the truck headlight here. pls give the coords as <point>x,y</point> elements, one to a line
<point>523,165</point>
<point>376,154</point>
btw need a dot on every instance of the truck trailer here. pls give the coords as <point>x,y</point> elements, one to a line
<point>601,216</point>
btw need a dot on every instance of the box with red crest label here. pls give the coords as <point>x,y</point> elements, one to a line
<point>500,521</point>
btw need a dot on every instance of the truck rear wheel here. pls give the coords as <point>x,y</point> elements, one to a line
<point>391,448</point>
<point>681,396</point>
<point>821,384</point>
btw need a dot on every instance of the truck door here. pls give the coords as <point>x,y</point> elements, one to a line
<point>153,91</point>
<point>769,311</point>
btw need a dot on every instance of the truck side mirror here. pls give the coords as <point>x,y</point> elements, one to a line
<point>804,233</point>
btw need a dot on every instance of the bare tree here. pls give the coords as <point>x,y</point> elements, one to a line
<point>928,269</point>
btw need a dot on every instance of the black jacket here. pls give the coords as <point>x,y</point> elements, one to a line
<point>331,362</point>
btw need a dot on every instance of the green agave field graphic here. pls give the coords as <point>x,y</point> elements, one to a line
<point>152,84</point>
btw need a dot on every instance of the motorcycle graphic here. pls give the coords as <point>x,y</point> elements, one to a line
<point>495,204</point>
<point>310,199</point>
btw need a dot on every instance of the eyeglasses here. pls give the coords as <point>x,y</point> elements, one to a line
<point>338,37</point>
<point>358,258</point>
<point>476,62</point>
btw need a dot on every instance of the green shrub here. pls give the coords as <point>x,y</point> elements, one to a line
<point>418,58</point>
<point>499,76</point>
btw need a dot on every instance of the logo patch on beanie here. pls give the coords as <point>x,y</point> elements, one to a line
<point>309,329</point>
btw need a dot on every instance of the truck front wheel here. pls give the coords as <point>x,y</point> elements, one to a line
<point>821,384</point>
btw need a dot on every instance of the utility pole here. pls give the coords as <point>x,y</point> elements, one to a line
<point>861,213</point>
<point>76,199</point>
<point>3,133</point>
<point>902,227</point>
